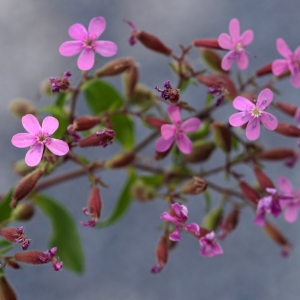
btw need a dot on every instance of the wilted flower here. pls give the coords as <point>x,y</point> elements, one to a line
<point>169,93</point>
<point>49,255</point>
<point>15,235</point>
<point>60,84</point>
<point>209,245</point>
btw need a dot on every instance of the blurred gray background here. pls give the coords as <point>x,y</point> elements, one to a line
<point>118,258</point>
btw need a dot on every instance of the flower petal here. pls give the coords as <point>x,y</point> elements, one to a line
<point>297,53</point>
<point>175,236</point>
<point>295,80</point>
<point>34,155</point>
<point>50,125</point>
<point>96,27</point>
<point>291,214</point>
<point>264,99</point>
<point>184,143</point>
<point>163,145</point>
<point>247,37</point>
<point>70,48</point>
<point>242,60</point>
<point>285,185</point>
<point>279,66</point>
<point>228,60</point>
<point>242,104</point>
<point>168,131</point>
<point>190,125</point>
<point>23,140</point>
<point>193,227</point>
<point>239,119</point>
<point>234,29</point>
<point>105,48</point>
<point>174,114</point>
<point>167,217</point>
<point>86,59</point>
<point>253,129</point>
<point>269,120</point>
<point>225,41</point>
<point>180,210</point>
<point>31,124</point>
<point>283,48</point>
<point>78,32</point>
<point>57,147</point>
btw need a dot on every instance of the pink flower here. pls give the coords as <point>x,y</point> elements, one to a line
<point>254,113</point>
<point>235,43</point>
<point>292,203</point>
<point>86,43</point>
<point>37,138</point>
<point>176,131</point>
<point>181,216</point>
<point>291,62</point>
<point>50,256</point>
<point>209,245</point>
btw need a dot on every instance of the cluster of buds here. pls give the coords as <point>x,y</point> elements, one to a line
<point>15,235</point>
<point>169,93</point>
<point>60,84</point>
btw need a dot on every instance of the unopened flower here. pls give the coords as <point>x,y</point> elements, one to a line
<point>49,255</point>
<point>176,131</point>
<point>179,218</point>
<point>38,137</point>
<point>291,62</point>
<point>291,205</point>
<point>102,138</point>
<point>60,84</point>
<point>169,93</point>
<point>235,43</point>
<point>161,253</point>
<point>15,235</point>
<point>132,38</point>
<point>209,245</point>
<point>253,114</point>
<point>85,41</point>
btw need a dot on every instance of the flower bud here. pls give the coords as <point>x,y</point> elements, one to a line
<point>213,219</point>
<point>142,192</point>
<point>114,67</point>
<point>142,97</point>
<point>120,160</point>
<point>161,253</point>
<point>130,79</point>
<point>201,151</point>
<point>286,108</point>
<point>194,187</point>
<point>222,136</point>
<point>25,186</point>
<point>265,70</point>
<point>10,261</point>
<point>23,212</point>
<point>22,107</point>
<point>249,192</point>
<point>155,122</point>
<point>288,130</point>
<point>85,123</point>
<point>6,290</point>
<point>60,83</point>
<point>15,235</point>
<point>153,43</point>
<point>263,180</point>
<point>209,81</point>
<point>212,59</point>
<point>21,168</point>
<point>45,87</point>
<point>102,138</point>
<point>277,154</point>
<point>208,43</point>
<point>161,155</point>
<point>230,222</point>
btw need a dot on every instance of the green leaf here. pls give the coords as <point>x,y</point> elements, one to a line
<point>5,209</point>
<point>65,235</point>
<point>207,198</point>
<point>61,99</point>
<point>155,180</point>
<point>60,114</point>
<point>100,96</point>
<point>209,100</point>
<point>124,129</point>
<point>122,204</point>
<point>6,249</point>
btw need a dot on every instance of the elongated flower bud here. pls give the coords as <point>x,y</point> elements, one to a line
<point>6,290</point>
<point>161,253</point>
<point>201,151</point>
<point>212,59</point>
<point>142,97</point>
<point>207,43</point>
<point>142,192</point>
<point>130,79</point>
<point>249,192</point>
<point>263,180</point>
<point>267,69</point>
<point>213,219</point>
<point>15,235</point>
<point>23,212</point>
<point>194,187</point>
<point>121,160</point>
<point>288,130</point>
<point>22,107</point>
<point>286,108</point>
<point>230,222</point>
<point>277,154</point>
<point>25,186</point>
<point>155,122</point>
<point>10,261</point>
<point>85,123</point>
<point>102,138</point>
<point>114,67</point>
<point>153,43</point>
<point>222,135</point>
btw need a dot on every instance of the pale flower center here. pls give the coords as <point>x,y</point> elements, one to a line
<point>239,46</point>
<point>255,112</point>
<point>88,43</point>
<point>43,138</point>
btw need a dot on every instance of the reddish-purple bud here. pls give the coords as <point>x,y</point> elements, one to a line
<point>114,67</point>
<point>230,222</point>
<point>6,290</point>
<point>102,138</point>
<point>263,180</point>
<point>207,43</point>
<point>155,122</point>
<point>288,130</point>
<point>10,261</point>
<point>130,80</point>
<point>60,84</point>
<point>249,192</point>
<point>286,108</point>
<point>15,235</point>
<point>85,123</point>
<point>222,135</point>
<point>267,69</point>
<point>161,253</point>
<point>277,154</point>
<point>23,212</point>
<point>25,186</point>
<point>121,160</point>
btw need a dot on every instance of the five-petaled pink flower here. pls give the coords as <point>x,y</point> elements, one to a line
<point>86,43</point>
<point>254,113</point>
<point>292,203</point>
<point>37,138</point>
<point>179,218</point>
<point>235,43</point>
<point>291,62</point>
<point>209,245</point>
<point>176,131</point>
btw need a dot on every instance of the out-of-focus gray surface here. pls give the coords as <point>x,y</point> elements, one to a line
<point>118,259</point>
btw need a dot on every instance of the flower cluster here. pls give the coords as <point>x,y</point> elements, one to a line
<point>60,84</point>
